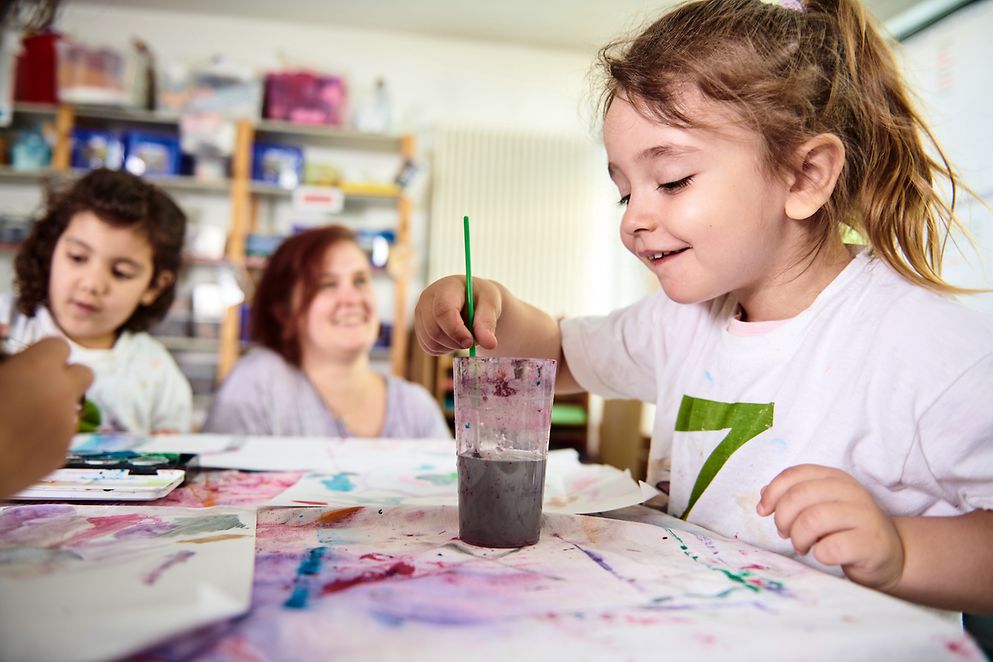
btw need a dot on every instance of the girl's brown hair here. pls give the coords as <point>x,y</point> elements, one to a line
<point>278,306</point>
<point>123,201</point>
<point>792,72</point>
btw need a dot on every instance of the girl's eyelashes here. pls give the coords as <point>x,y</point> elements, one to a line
<point>672,187</point>
<point>122,275</point>
<point>668,187</point>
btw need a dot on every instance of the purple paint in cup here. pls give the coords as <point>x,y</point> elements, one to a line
<point>503,413</point>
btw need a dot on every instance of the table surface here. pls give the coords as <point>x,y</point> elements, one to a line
<point>209,573</point>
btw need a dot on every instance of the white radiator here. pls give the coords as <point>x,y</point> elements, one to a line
<point>533,213</point>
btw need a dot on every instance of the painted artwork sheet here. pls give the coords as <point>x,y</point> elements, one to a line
<point>100,582</point>
<point>396,583</point>
<point>247,489</point>
<point>388,472</point>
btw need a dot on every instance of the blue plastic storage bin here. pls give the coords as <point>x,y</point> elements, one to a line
<point>281,165</point>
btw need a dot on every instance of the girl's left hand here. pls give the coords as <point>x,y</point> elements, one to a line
<point>827,509</point>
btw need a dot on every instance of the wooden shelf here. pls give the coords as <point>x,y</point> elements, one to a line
<point>353,191</point>
<point>241,191</point>
<point>100,113</point>
<point>328,136</point>
<point>191,184</point>
<point>12,176</point>
<point>172,182</point>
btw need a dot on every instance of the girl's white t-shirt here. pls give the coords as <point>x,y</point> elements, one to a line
<point>136,384</point>
<point>878,377</point>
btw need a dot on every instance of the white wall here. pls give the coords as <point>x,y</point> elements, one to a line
<point>431,81</point>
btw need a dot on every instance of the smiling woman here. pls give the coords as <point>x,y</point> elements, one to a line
<point>314,318</point>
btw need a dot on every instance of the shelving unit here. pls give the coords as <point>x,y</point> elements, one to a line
<point>244,197</point>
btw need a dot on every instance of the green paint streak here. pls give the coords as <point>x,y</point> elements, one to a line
<point>733,576</point>
<point>738,578</point>
<point>440,479</point>
<point>743,420</point>
<point>89,417</point>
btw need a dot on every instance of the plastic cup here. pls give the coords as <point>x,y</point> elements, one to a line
<point>503,413</point>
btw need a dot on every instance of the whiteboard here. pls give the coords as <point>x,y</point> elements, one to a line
<point>950,67</point>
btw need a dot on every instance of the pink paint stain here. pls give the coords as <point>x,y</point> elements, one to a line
<point>963,648</point>
<point>397,569</point>
<point>503,389</point>
<point>107,526</point>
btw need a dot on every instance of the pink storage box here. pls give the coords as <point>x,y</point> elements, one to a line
<point>305,97</point>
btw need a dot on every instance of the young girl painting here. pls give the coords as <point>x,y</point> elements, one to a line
<point>815,398</point>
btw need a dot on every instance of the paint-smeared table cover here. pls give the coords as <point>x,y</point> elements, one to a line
<point>396,583</point>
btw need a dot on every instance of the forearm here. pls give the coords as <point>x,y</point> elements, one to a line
<point>948,561</point>
<point>524,330</point>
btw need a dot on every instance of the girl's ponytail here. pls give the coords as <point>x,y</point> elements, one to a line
<point>893,180</point>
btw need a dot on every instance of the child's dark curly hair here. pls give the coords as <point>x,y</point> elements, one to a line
<point>121,200</point>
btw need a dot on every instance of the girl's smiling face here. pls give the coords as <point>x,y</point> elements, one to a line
<point>342,320</point>
<point>701,210</point>
<point>100,275</point>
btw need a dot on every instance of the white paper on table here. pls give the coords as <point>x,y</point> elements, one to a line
<point>99,582</point>
<point>417,474</point>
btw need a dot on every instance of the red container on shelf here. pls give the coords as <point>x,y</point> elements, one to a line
<point>36,68</point>
<point>305,97</point>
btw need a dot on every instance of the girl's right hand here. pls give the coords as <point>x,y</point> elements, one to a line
<point>440,316</point>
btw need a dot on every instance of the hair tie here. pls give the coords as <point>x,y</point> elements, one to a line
<point>793,5</point>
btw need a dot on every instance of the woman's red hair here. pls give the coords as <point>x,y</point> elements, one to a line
<point>288,285</point>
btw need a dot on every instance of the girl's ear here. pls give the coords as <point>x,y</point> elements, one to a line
<point>164,280</point>
<point>820,161</point>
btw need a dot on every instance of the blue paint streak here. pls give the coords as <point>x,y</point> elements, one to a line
<point>339,483</point>
<point>311,564</point>
<point>710,377</point>
<point>389,620</point>
<point>299,597</point>
<point>596,558</point>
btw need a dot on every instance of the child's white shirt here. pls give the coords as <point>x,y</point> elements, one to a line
<point>878,377</point>
<point>136,384</point>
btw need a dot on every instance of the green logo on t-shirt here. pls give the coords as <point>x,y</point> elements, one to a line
<point>742,420</point>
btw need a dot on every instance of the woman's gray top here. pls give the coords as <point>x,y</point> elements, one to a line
<point>265,395</point>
